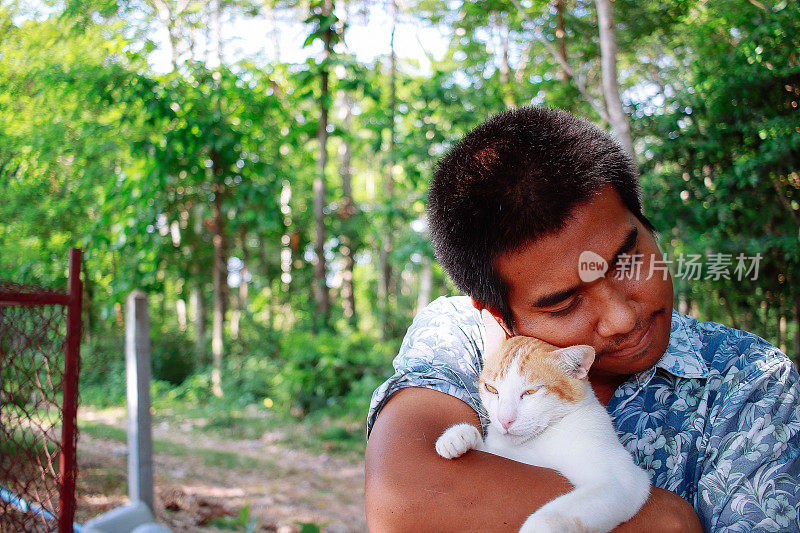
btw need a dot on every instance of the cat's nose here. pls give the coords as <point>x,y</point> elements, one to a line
<point>505,422</point>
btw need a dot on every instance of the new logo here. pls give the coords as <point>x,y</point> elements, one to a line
<point>591,266</point>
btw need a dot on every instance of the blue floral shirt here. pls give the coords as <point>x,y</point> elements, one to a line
<point>716,420</point>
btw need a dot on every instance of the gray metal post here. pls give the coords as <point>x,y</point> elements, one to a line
<point>137,363</point>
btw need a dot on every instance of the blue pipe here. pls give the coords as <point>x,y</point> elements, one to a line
<point>24,506</point>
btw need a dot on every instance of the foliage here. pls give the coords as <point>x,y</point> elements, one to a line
<point>163,175</point>
<point>317,371</point>
<point>241,522</point>
<point>102,371</point>
<point>172,357</point>
<point>724,154</point>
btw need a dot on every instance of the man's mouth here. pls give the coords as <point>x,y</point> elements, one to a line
<point>636,342</point>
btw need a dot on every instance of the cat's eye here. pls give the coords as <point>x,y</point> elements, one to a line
<point>529,391</point>
<point>490,389</point>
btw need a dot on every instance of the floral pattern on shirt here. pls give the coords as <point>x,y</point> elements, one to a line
<point>716,420</point>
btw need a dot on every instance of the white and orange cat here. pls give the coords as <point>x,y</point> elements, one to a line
<point>542,411</point>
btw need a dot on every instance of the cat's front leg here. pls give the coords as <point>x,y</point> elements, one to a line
<point>457,440</point>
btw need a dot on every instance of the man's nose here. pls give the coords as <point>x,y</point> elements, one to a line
<point>617,314</point>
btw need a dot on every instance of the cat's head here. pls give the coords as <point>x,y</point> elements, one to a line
<point>527,385</point>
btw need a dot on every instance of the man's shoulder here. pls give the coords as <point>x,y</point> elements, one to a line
<point>447,312</point>
<point>727,350</point>
<point>455,306</point>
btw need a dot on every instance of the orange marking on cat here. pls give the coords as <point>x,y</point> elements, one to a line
<point>536,362</point>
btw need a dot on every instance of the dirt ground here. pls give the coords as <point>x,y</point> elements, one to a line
<point>270,486</point>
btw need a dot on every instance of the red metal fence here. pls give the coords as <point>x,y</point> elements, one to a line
<point>40,333</point>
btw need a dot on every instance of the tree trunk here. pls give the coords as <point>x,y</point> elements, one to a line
<point>169,19</point>
<point>425,283</point>
<point>241,299</point>
<point>289,249</point>
<point>162,301</point>
<point>286,238</point>
<point>88,300</point>
<point>505,67</point>
<point>220,263</point>
<point>608,53</point>
<point>214,58</point>
<point>384,265</point>
<point>579,84</point>
<point>683,305</point>
<point>797,332</point>
<point>731,312</point>
<point>219,277</point>
<point>321,296</point>
<point>218,317</point>
<point>180,312</point>
<point>198,298</point>
<point>561,37</point>
<point>198,303</point>
<point>347,210</point>
<point>782,332</point>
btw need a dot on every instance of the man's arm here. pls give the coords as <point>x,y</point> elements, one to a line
<point>410,488</point>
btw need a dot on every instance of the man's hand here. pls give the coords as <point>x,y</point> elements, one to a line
<point>664,511</point>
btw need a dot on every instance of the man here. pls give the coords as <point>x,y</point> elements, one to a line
<point>712,414</point>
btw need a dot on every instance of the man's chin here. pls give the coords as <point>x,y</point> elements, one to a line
<point>648,349</point>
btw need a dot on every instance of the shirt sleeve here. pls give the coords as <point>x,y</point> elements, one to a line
<point>441,351</point>
<point>750,479</point>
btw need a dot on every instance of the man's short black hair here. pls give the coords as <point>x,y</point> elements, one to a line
<point>513,179</point>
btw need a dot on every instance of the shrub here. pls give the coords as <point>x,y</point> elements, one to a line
<point>246,380</point>
<point>102,375</point>
<point>320,371</point>
<point>172,356</point>
<point>102,378</point>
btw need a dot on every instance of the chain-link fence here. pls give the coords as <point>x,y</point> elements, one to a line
<point>39,339</point>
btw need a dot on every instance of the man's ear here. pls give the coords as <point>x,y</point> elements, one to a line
<point>494,315</point>
<point>576,360</point>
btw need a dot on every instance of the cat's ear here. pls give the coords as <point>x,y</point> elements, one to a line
<point>495,333</point>
<point>576,360</point>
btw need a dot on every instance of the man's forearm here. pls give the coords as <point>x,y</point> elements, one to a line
<point>410,488</point>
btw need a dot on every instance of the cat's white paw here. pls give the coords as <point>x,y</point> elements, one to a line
<point>544,522</point>
<point>456,440</point>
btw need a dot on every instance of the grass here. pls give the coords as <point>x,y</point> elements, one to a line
<point>322,432</point>
<point>208,456</point>
<point>316,433</point>
<point>25,443</point>
<point>215,441</point>
<point>103,431</point>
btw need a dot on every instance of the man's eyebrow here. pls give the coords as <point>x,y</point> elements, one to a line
<point>555,298</point>
<point>627,246</point>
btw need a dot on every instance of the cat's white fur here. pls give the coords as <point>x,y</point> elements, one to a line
<point>574,438</point>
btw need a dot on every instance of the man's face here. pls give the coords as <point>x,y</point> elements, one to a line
<point>623,315</point>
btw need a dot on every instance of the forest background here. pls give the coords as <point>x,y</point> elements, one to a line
<point>264,183</point>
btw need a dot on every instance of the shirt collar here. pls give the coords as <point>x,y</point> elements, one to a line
<point>682,357</point>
